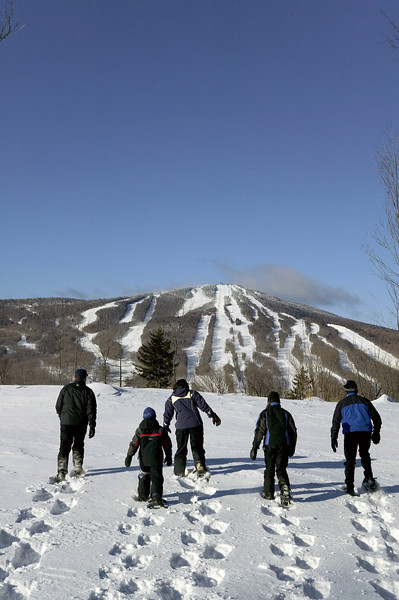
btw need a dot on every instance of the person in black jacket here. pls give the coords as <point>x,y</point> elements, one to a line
<point>151,440</point>
<point>186,404</point>
<point>277,428</point>
<point>361,425</point>
<point>76,407</point>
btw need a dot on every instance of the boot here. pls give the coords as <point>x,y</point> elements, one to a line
<point>77,458</point>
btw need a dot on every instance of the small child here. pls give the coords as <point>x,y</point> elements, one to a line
<point>151,440</point>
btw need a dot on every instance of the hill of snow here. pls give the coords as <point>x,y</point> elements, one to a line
<point>89,540</point>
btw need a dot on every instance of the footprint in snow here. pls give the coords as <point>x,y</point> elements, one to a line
<point>184,559</point>
<point>208,578</point>
<point>39,527</point>
<point>9,591</point>
<point>366,543</point>
<point>363,525</point>
<point>29,513</point>
<point>136,562</point>
<point>26,554</point>
<point>388,590</point>
<point>304,540</point>
<point>278,529</point>
<point>283,549</point>
<point>390,536</point>
<point>7,539</point>
<point>374,564</point>
<point>144,540</point>
<point>217,552</point>
<point>310,562</point>
<point>215,527</point>
<point>316,588</point>
<point>59,507</point>
<point>42,495</point>
<point>192,537</point>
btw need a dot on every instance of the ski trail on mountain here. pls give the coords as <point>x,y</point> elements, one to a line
<point>29,538</point>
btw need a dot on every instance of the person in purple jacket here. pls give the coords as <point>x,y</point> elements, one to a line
<point>186,404</point>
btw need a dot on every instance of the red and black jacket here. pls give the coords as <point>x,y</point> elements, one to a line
<point>151,440</point>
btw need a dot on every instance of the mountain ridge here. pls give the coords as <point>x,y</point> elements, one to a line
<point>217,330</point>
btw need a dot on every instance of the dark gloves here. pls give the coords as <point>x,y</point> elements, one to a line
<point>166,428</point>
<point>253,453</point>
<point>375,437</point>
<point>291,451</point>
<point>216,420</point>
<point>128,461</point>
<point>168,461</point>
<point>92,432</point>
<point>334,444</point>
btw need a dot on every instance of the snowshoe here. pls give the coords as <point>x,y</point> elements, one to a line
<point>139,499</point>
<point>267,496</point>
<point>352,491</point>
<point>157,502</point>
<point>370,484</point>
<point>60,477</point>
<point>285,496</point>
<point>201,471</point>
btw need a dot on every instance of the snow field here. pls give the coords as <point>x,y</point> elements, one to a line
<point>87,539</point>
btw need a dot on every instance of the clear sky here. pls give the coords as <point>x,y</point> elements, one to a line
<point>155,144</point>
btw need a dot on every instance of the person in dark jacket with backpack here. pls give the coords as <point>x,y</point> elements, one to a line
<point>361,425</point>
<point>151,441</point>
<point>76,407</point>
<point>277,428</point>
<point>186,404</point>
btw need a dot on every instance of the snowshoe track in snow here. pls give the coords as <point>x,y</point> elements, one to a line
<point>25,543</point>
<point>195,567</point>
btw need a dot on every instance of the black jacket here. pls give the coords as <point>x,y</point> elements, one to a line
<point>151,440</point>
<point>77,405</point>
<point>277,427</point>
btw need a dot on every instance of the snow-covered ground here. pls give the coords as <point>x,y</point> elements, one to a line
<point>89,540</point>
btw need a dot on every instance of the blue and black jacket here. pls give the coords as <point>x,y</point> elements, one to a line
<point>356,414</point>
<point>276,427</point>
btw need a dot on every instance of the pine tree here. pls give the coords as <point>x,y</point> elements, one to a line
<point>156,360</point>
<point>301,385</point>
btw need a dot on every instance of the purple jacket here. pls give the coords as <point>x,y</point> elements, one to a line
<point>185,403</point>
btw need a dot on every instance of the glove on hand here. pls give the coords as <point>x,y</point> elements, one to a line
<point>253,453</point>
<point>92,432</point>
<point>128,461</point>
<point>334,445</point>
<point>168,461</point>
<point>375,437</point>
<point>216,420</point>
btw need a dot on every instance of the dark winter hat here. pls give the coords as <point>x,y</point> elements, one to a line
<point>80,374</point>
<point>180,383</point>
<point>273,397</point>
<point>149,413</point>
<point>351,385</point>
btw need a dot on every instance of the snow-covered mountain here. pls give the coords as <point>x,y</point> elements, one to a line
<point>88,539</point>
<point>215,329</point>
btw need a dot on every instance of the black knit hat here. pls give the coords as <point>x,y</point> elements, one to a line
<point>80,374</point>
<point>180,383</point>
<point>350,385</point>
<point>273,397</point>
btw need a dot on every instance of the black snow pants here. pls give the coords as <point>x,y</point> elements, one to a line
<point>352,442</point>
<point>196,437</point>
<point>276,459</point>
<point>71,436</point>
<point>150,482</point>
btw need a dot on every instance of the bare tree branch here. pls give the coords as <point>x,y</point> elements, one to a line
<point>6,20</point>
<point>393,37</point>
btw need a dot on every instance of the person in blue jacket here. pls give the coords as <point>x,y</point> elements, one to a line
<point>361,425</point>
<point>186,404</point>
<point>276,428</point>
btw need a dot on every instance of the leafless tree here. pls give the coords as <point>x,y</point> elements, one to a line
<point>7,24</point>
<point>393,37</point>
<point>385,257</point>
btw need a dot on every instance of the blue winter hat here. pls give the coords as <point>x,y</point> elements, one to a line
<point>149,413</point>
<point>80,374</point>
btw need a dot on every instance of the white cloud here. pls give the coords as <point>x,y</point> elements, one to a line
<point>289,284</point>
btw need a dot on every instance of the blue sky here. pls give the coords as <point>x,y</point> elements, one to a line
<point>152,144</point>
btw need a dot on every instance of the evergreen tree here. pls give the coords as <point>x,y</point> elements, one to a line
<point>156,360</point>
<point>302,384</point>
